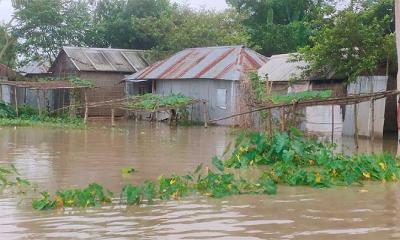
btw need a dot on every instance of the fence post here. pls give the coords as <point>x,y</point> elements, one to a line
<point>16,100</point>
<point>205,113</point>
<point>86,106</point>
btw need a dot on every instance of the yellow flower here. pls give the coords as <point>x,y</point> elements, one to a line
<point>311,162</point>
<point>238,157</point>
<point>383,166</point>
<point>367,175</point>
<point>173,181</point>
<point>394,178</point>
<point>317,177</point>
<point>70,202</point>
<point>244,149</point>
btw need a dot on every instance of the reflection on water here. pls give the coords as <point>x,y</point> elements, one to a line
<point>57,158</point>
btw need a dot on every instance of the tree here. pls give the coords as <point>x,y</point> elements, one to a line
<point>183,27</point>
<point>353,42</point>
<point>44,26</point>
<point>397,21</point>
<point>7,45</point>
<point>113,21</point>
<point>280,26</point>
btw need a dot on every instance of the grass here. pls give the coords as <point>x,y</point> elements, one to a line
<point>29,116</point>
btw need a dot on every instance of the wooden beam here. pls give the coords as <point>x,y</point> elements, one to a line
<point>205,114</point>
<point>16,100</point>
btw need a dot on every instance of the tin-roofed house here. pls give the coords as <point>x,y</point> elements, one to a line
<point>106,67</point>
<point>286,76</point>
<point>210,73</point>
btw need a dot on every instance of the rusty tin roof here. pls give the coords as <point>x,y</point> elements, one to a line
<point>225,63</point>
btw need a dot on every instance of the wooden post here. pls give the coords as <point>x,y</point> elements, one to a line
<point>38,102</point>
<point>153,86</point>
<point>72,113</point>
<point>333,123</point>
<point>205,114</point>
<point>45,101</point>
<point>270,122</point>
<point>112,117</point>
<point>86,106</point>
<point>16,100</point>
<point>282,119</point>
<point>356,124</point>
<point>1,92</point>
<point>372,120</point>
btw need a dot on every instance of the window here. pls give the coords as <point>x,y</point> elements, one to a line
<point>221,98</point>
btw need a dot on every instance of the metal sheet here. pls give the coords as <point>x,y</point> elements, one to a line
<point>224,63</point>
<point>106,59</point>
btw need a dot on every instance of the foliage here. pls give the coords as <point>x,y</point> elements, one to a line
<point>29,116</point>
<point>7,46</point>
<point>300,96</point>
<point>280,26</point>
<point>353,41</point>
<point>182,27</point>
<point>295,160</point>
<point>47,25</point>
<point>92,196</point>
<point>152,101</point>
<point>11,178</point>
<point>6,110</point>
<point>79,82</point>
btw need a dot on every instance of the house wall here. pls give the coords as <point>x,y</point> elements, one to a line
<point>206,89</point>
<point>107,86</point>
<point>364,117</point>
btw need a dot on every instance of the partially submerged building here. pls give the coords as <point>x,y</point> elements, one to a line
<point>285,76</point>
<point>210,73</point>
<point>106,67</point>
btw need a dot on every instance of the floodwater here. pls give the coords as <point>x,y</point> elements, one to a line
<point>60,158</point>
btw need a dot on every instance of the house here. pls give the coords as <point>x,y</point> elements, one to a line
<point>7,74</point>
<point>213,74</point>
<point>285,76</point>
<point>106,67</point>
<point>34,70</point>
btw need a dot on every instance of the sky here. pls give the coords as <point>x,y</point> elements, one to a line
<point>6,8</point>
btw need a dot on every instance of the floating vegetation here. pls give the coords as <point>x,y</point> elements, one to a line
<point>295,160</point>
<point>152,101</point>
<point>280,159</point>
<point>10,178</point>
<point>92,196</point>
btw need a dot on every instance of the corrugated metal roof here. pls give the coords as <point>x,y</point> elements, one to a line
<point>280,68</point>
<point>106,59</point>
<point>33,67</point>
<point>226,63</point>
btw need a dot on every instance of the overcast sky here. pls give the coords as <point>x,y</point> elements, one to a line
<point>6,8</point>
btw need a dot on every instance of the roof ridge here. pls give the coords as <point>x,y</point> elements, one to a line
<point>106,49</point>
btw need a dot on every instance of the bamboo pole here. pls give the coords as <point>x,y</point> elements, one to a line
<point>86,106</point>
<point>270,122</point>
<point>397,27</point>
<point>333,123</point>
<point>16,100</point>
<point>38,102</point>
<point>372,120</point>
<point>356,125</point>
<point>205,114</point>
<point>282,119</point>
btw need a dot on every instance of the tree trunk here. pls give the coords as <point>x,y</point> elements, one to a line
<point>397,19</point>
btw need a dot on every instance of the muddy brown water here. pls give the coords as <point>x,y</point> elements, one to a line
<point>60,158</point>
